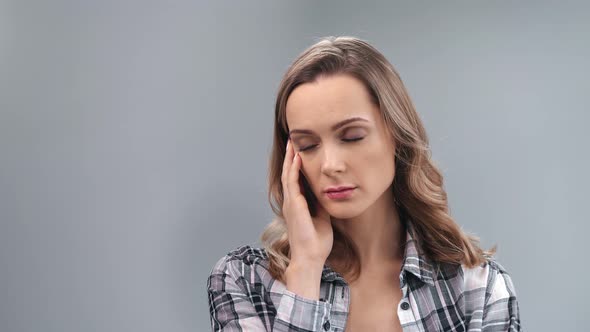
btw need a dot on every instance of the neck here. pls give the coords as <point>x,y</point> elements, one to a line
<point>377,233</point>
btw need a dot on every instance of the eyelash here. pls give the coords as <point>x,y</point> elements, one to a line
<point>350,140</point>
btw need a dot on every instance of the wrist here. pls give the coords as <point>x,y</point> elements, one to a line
<point>296,264</point>
<point>304,279</point>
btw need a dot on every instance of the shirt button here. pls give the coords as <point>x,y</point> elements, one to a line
<point>405,306</point>
<point>327,325</point>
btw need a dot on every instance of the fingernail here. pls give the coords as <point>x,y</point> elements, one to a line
<point>295,157</point>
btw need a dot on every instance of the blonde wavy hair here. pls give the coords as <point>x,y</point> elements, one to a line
<point>418,184</point>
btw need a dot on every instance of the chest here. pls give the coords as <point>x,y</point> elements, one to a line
<point>373,307</point>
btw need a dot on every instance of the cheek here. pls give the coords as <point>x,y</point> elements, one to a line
<point>309,171</point>
<point>376,166</point>
<point>305,169</point>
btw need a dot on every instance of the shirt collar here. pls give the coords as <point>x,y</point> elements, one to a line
<point>414,263</point>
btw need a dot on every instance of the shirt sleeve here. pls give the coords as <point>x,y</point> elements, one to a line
<point>296,313</point>
<point>230,306</point>
<point>500,312</point>
<point>233,306</point>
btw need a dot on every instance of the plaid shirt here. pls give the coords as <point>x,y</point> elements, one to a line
<point>244,297</point>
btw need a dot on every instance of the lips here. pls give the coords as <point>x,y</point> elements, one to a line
<point>341,195</point>
<point>338,189</point>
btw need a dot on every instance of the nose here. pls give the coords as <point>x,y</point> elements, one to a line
<point>333,162</point>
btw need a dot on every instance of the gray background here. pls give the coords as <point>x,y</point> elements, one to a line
<point>134,140</point>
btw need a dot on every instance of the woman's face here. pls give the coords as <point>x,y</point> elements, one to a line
<point>328,159</point>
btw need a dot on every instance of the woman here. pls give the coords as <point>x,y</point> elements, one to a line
<point>363,239</point>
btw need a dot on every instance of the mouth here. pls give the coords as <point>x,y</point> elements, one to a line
<point>340,194</point>
<point>338,189</point>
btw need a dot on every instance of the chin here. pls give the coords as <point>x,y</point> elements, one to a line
<point>343,212</point>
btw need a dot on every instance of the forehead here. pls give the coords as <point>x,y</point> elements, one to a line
<point>328,100</point>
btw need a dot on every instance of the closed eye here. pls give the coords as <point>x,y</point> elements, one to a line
<point>349,140</point>
<point>352,139</point>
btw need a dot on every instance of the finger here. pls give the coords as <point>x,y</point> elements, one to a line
<point>293,177</point>
<point>286,166</point>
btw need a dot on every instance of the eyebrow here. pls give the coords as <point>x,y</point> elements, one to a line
<point>334,127</point>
